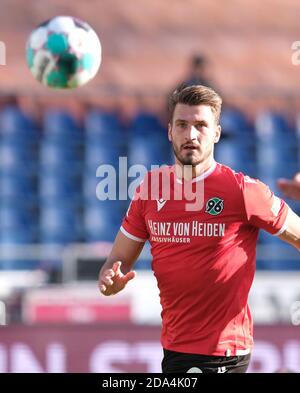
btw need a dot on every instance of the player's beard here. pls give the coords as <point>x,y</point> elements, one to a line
<point>191,159</point>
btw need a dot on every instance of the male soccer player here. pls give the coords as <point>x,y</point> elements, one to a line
<point>203,258</point>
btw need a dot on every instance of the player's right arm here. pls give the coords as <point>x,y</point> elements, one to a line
<point>129,242</point>
<point>116,271</point>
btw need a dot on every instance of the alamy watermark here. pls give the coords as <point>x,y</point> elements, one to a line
<point>2,53</point>
<point>159,184</point>
<point>296,54</point>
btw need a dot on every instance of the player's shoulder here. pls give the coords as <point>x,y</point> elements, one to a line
<point>239,178</point>
<point>237,181</point>
<point>229,175</point>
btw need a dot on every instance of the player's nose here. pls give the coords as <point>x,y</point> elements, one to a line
<point>191,133</point>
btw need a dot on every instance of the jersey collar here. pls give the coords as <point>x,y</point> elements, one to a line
<point>203,175</point>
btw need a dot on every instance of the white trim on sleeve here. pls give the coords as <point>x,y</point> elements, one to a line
<point>283,228</point>
<point>127,234</point>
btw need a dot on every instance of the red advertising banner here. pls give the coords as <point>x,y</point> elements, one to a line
<point>123,348</point>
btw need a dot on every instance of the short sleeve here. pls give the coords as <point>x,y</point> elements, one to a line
<point>263,209</point>
<point>133,225</point>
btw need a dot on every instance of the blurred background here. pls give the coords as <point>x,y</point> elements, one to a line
<point>55,233</point>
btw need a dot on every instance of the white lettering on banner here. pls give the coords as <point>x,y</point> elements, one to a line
<point>119,356</point>
<point>56,358</point>
<point>104,355</point>
<point>265,358</point>
<point>150,353</point>
<point>291,355</point>
<point>23,359</point>
<point>3,359</point>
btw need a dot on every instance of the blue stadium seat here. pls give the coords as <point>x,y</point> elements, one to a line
<point>231,151</point>
<point>233,122</point>
<point>104,127</point>
<point>147,150</point>
<point>269,122</point>
<point>63,158</point>
<point>101,223</point>
<point>116,198</point>
<point>276,144</point>
<point>17,187</point>
<point>273,129</point>
<point>15,217</point>
<point>89,184</point>
<point>59,224</point>
<point>17,127</point>
<point>270,167</point>
<point>60,126</point>
<point>51,152</point>
<point>19,264</point>
<point>114,208</point>
<point>15,159</point>
<point>146,122</point>
<point>280,256</point>
<point>99,154</point>
<point>16,236</point>
<point>56,187</point>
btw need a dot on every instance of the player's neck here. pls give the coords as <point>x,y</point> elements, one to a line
<point>187,172</point>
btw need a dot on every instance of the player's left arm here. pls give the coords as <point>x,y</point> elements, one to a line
<point>291,233</point>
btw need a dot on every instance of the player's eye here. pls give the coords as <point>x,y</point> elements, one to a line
<point>200,125</point>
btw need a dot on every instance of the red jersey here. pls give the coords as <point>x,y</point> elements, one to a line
<point>204,260</point>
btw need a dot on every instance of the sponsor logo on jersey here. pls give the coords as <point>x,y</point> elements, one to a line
<point>181,232</point>
<point>160,204</point>
<point>214,206</point>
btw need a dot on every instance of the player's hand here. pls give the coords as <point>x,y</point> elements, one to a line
<point>112,281</point>
<point>290,188</point>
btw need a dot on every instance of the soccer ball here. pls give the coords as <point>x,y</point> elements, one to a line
<point>63,52</point>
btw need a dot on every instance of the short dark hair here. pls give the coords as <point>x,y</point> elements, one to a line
<point>196,95</point>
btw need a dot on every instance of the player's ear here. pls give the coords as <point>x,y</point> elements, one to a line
<point>218,134</point>
<point>170,132</point>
